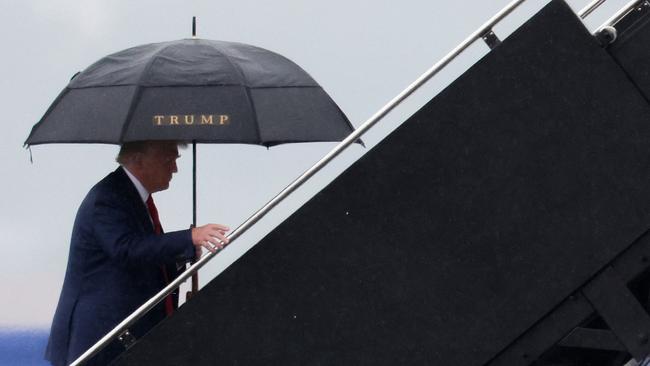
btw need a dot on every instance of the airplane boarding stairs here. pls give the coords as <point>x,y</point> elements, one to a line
<point>504,223</point>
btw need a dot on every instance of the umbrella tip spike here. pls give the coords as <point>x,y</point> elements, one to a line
<point>194,27</point>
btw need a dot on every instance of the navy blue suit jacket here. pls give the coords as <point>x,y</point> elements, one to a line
<point>114,266</point>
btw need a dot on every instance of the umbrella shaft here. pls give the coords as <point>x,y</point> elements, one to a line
<point>193,183</point>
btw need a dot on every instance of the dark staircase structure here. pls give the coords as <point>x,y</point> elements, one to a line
<point>504,223</point>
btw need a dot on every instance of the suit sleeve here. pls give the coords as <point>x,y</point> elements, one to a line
<point>118,234</point>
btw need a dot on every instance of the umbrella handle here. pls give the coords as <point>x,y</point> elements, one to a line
<point>195,286</point>
<point>195,281</point>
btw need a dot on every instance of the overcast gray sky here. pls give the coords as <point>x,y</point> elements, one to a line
<point>362,52</point>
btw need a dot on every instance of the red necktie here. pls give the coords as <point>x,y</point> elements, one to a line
<point>157,228</point>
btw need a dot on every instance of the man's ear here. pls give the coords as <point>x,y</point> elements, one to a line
<point>134,161</point>
<point>138,159</point>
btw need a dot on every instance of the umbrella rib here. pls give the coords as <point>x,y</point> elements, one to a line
<point>254,111</point>
<point>138,92</point>
<point>47,113</point>
<point>248,92</point>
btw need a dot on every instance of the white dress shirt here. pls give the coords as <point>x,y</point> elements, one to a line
<point>144,194</point>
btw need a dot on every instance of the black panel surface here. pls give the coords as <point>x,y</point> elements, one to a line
<point>455,234</point>
<point>631,49</point>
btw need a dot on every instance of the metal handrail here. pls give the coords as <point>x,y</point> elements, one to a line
<point>584,12</point>
<point>620,14</point>
<point>354,136</point>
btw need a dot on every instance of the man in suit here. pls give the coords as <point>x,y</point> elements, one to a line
<point>119,257</point>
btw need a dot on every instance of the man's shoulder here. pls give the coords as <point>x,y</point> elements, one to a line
<point>115,178</point>
<point>113,192</point>
<point>115,183</point>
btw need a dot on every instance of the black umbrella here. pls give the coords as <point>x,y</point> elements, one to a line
<point>192,90</point>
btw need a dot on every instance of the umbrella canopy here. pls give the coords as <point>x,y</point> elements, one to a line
<point>192,90</point>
